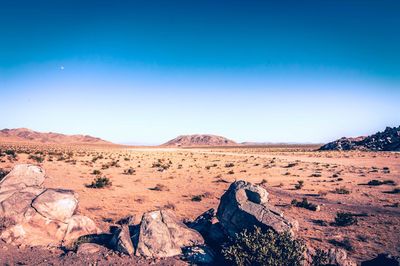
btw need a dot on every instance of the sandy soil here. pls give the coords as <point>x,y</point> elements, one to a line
<point>207,173</point>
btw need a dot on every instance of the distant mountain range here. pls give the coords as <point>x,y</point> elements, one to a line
<point>199,140</point>
<point>28,135</point>
<point>387,140</point>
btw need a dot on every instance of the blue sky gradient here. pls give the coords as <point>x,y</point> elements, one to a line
<point>146,71</point>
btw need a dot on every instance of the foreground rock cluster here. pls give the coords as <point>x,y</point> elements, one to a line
<point>37,216</point>
<point>388,140</point>
<point>32,215</point>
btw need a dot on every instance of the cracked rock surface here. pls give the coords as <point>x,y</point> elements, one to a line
<point>39,216</point>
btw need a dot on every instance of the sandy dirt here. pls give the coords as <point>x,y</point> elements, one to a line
<point>173,178</point>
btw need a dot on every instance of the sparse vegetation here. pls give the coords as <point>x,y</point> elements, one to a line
<point>100,182</point>
<point>305,204</point>
<point>375,182</point>
<point>129,171</point>
<point>37,158</point>
<point>299,185</point>
<point>341,190</point>
<point>264,248</point>
<point>345,219</point>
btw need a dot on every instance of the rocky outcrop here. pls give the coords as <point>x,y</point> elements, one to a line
<point>388,140</point>
<point>244,206</point>
<point>40,216</point>
<point>161,234</point>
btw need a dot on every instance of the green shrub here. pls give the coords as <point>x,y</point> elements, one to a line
<point>100,182</point>
<point>345,219</point>
<point>264,248</point>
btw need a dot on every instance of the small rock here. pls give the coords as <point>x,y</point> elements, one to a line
<point>121,241</point>
<point>90,248</point>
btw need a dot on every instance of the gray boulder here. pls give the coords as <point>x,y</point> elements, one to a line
<point>245,205</point>
<point>161,234</point>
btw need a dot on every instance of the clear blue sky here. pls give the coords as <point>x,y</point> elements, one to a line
<point>146,71</point>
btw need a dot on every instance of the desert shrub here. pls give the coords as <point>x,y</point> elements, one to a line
<point>264,248</point>
<point>229,165</point>
<point>3,173</point>
<point>231,172</point>
<point>36,158</point>
<point>100,182</point>
<point>394,191</point>
<point>161,165</point>
<point>6,222</point>
<point>11,153</point>
<point>129,171</point>
<point>197,198</point>
<point>290,165</point>
<point>341,190</point>
<point>320,258</point>
<point>299,184</point>
<point>345,219</point>
<point>375,182</point>
<point>159,187</point>
<point>305,204</point>
<point>96,172</point>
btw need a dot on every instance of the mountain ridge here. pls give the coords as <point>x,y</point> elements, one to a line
<point>29,135</point>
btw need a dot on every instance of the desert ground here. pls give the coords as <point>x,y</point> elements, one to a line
<point>191,180</point>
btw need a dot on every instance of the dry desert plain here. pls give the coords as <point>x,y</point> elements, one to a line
<point>192,180</point>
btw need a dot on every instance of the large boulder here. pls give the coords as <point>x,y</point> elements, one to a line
<point>56,204</point>
<point>39,216</point>
<point>161,234</point>
<point>22,176</point>
<point>245,205</point>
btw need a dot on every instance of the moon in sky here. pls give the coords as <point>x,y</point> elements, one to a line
<point>62,67</point>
